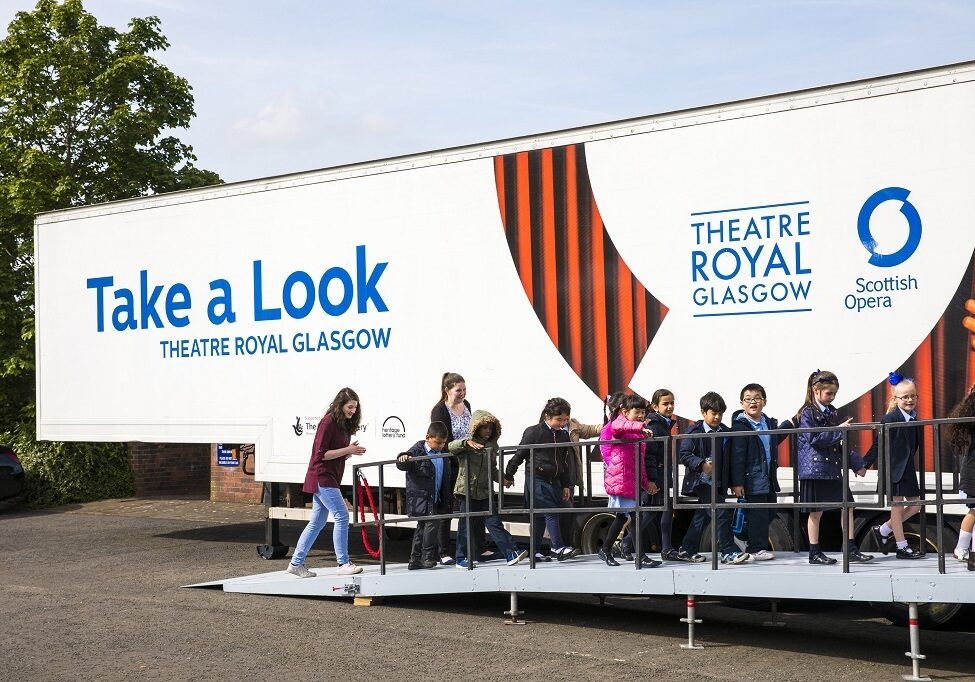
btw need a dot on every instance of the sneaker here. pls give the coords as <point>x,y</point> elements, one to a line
<point>884,544</point>
<point>516,557</point>
<point>821,559</point>
<point>670,555</point>
<point>961,554</point>
<point>695,558</point>
<point>763,555</point>
<point>463,563</point>
<point>446,561</point>
<point>542,557</point>
<point>858,557</point>
<point>566,553</point>
<point>735,557</point>
<point>908,553</point>
<point>622,551</point>
<point>300,571</point>
<point>648,562</point>
<point>607,557</point>
<point>489,555</point>
<point>349,569</point>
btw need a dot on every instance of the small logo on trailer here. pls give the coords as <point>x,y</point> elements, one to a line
<point>393,428</point>
<point>907,209</point>
<point>297,427</point>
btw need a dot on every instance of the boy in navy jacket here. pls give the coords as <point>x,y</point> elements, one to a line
<point>753,472</point>
<point>428,492</point>
<point>702,470</point>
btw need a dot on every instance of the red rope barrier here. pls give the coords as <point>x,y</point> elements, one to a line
<point>364,488</point>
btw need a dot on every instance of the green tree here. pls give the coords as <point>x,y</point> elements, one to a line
<point>85,112</point>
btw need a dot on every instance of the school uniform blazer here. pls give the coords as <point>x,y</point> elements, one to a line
<point>692,454</point>
<point>903,444</point>
<point>749,467</point>
<point>551,464</point>
<point>421,483</point>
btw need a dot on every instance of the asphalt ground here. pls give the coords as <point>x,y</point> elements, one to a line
<point>93,592</point>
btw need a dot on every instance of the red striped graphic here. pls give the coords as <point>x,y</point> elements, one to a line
<point>595,311</point>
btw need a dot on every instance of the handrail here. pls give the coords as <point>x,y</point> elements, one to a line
<point>670,487</point>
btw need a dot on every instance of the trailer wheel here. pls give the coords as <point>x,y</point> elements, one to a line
<point>594,532</point>
<point>936,615</point>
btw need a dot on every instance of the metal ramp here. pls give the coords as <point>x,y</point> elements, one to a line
<point>885,579</point>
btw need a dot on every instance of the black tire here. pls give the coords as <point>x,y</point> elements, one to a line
<point>934,616</point>
<point>594,532</point>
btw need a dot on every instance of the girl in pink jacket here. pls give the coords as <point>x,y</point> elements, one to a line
<point>619,478</point>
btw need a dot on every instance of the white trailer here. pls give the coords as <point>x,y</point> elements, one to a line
<point>751,241</point>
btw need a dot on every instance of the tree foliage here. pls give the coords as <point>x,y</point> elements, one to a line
<point>86,113</point>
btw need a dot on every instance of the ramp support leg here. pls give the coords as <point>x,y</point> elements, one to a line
<point>514,612</point>
<point>915,653</point>
<point>774,621</point>
<point>691,622</point>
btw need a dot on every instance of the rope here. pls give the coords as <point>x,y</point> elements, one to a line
<point>364,488</point>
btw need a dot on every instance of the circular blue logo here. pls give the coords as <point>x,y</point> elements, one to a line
<point>889,260</point>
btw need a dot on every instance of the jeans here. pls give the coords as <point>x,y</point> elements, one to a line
<point>326,501</point>
<point>502,538</point>
<point>692,538</point>
<point>547,496</point>
<point>757,522</point>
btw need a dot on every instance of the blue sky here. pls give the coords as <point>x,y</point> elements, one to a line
<point>288,86</point>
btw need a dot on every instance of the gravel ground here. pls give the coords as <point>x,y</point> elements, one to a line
<point>94,592</point>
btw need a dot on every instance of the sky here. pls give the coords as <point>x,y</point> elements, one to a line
<point>288,86</point>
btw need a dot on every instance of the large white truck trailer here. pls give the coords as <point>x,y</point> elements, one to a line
<point>698,250</point>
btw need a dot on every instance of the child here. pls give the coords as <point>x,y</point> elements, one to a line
<point>904,442</point>
<point>661,422</point>
<point>476,471</point>
<point>704,468</point>
<point>333,445</point>
<point>427,493</point>
<point>754,467</point>
<point>620,479</point>
<point>959,438</point>
<point>821,462</point>
<point>552,482</point>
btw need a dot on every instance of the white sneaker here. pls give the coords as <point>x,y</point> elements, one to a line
<point>349,569</point>
<point>763,555</point>
<point>300,571</point>
<point>961,554</point>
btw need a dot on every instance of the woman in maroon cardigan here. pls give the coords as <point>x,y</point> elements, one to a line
<point>333,445</point>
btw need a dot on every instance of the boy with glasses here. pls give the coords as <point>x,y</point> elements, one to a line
<point>754,467</point>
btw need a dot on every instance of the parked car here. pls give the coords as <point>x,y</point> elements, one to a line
<point>11,473</point>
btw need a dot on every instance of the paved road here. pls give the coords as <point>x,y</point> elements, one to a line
<point>93,592</point>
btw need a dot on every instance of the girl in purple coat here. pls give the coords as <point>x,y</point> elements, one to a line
<point>619,480</point>
<point>821,462</point>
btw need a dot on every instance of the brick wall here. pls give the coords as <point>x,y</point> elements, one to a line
<point>231,484</point>
<point>178,469</point>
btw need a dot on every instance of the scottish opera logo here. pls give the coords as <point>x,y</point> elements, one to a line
<point>907,209</point>
<point>869,292</point>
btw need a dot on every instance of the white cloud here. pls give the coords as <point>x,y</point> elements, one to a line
<point>278,121</point>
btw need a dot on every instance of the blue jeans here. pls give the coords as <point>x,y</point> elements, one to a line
<point>692,538</point>
<point>326,501</point>
<point>502,538</point>
<point>547,495</point>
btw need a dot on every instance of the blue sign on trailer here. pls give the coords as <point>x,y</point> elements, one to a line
<point>227,456</point>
